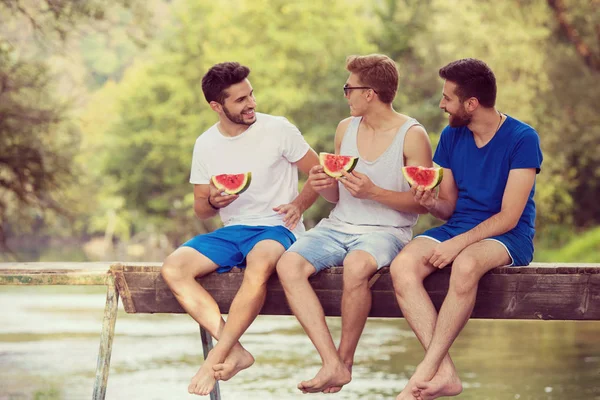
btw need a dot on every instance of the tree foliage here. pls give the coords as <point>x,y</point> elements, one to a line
<point>131,138</point>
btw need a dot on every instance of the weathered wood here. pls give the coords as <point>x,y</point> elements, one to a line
<point>42,273</point>
<point>539,291</point>
<point>106,340</point>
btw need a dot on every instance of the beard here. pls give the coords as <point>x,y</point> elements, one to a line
<point>461,118</point>
<point>237,118</point>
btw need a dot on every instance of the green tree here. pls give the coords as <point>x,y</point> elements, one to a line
<point>38,138</point>
<point>297,54</point>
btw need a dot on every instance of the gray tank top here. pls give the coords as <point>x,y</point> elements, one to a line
<point>352,215</point>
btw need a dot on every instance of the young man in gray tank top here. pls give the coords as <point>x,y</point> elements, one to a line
<point>372,219</point>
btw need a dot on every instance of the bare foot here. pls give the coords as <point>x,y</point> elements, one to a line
<point>204,380</point>
<point>328,376</point>
<point>409,393</point>
<point>441,385</point>
<point>239,359</point>
<point>335,389</point>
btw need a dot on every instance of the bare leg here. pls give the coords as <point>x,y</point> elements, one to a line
<point>294,271</point>
<point>359,266</point>
<point>179,271</point>
<point>260,264</point>
<point>468,268</point>
<point>408,270</point>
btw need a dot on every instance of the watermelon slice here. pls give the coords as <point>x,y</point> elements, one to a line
<point>429,178</point>
<point>232,183</point>
<point>333,164</point>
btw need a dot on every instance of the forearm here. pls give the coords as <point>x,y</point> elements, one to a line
<point>332,194</point>
<point>401,201</point>
<point>497,224</point>
<point>442,209</point>
<point>306,198</point>
<point>203,209</point>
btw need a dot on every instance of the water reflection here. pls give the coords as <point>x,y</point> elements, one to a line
<point>49,342</point>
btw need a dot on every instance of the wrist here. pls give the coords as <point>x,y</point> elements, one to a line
<point>374,193</point>
<point>299,205</point>
<point>211,204</point>
<point>433,205</point>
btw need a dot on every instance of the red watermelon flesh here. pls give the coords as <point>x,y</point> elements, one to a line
<point>232,183</point>
<point>333,164</point>
<point>429,178</point>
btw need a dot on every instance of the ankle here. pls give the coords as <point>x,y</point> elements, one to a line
<point>347,362</point>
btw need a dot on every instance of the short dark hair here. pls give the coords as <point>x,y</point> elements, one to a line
<point>220,77</point>
<point>473,78</point>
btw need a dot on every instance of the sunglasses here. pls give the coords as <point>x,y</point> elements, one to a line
<point>347,89</point>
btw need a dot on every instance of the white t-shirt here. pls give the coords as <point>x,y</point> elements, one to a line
<point>268,148</point>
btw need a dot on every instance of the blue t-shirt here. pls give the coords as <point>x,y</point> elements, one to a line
<point>481,173</point>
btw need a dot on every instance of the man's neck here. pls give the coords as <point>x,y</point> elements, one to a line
<point>231,129</point>
<point>486,123</point>
<point>380,118</point>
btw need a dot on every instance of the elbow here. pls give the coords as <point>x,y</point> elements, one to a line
<point>199,211</point>
<point>511,222</point>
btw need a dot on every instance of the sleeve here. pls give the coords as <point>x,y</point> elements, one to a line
<point>527,152</point>
<point>199,173</point>
<point>442,151</point>
<point>293,145</point>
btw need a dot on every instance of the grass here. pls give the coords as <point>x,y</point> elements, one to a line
<point>584,248</point>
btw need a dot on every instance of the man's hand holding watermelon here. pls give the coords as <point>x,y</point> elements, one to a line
<point>359,185</point>
<point>217,200</point>
<point>425,197</point>
<point>319,180</point>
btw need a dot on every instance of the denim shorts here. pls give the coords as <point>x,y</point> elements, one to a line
<point>325,248</point>
<point>518,245</point>
<point>228,247</point>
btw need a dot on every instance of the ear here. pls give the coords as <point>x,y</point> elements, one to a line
<point>216,107</point>
<point>471,104</point>
<point>370,95</point>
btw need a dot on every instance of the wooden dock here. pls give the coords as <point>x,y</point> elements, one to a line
<point>539,291</point>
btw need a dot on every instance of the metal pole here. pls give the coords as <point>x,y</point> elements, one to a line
<point>207,345</point>
<point>106,339</point>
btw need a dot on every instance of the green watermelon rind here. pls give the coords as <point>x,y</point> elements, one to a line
<point>439,175</point>
<point>239,190</point>
<point>349,167</point>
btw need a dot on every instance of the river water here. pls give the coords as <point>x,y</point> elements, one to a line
<point>49,338</point>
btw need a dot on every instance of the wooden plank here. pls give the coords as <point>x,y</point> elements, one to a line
<point>42,273</point>
<point>535,292</point>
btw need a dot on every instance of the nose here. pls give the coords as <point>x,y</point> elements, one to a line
<point>252,103</point>
<point>442,103</point>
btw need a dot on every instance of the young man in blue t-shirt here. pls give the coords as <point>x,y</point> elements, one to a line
<point>490,162</point>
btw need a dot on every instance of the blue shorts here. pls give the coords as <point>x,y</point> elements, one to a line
<point>518,245</point>
<point>228,247</point>
<point>325,248</point>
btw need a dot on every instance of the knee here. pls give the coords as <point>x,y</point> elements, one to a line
<point>292,267</point>
<point>465,276</point>
<point>172,270</point>
<point>357,271</point>
<point>405,272</point>
<point>258,274</point>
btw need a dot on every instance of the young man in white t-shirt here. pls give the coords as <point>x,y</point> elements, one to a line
<point>372,219</point>
<point>259,224</point>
